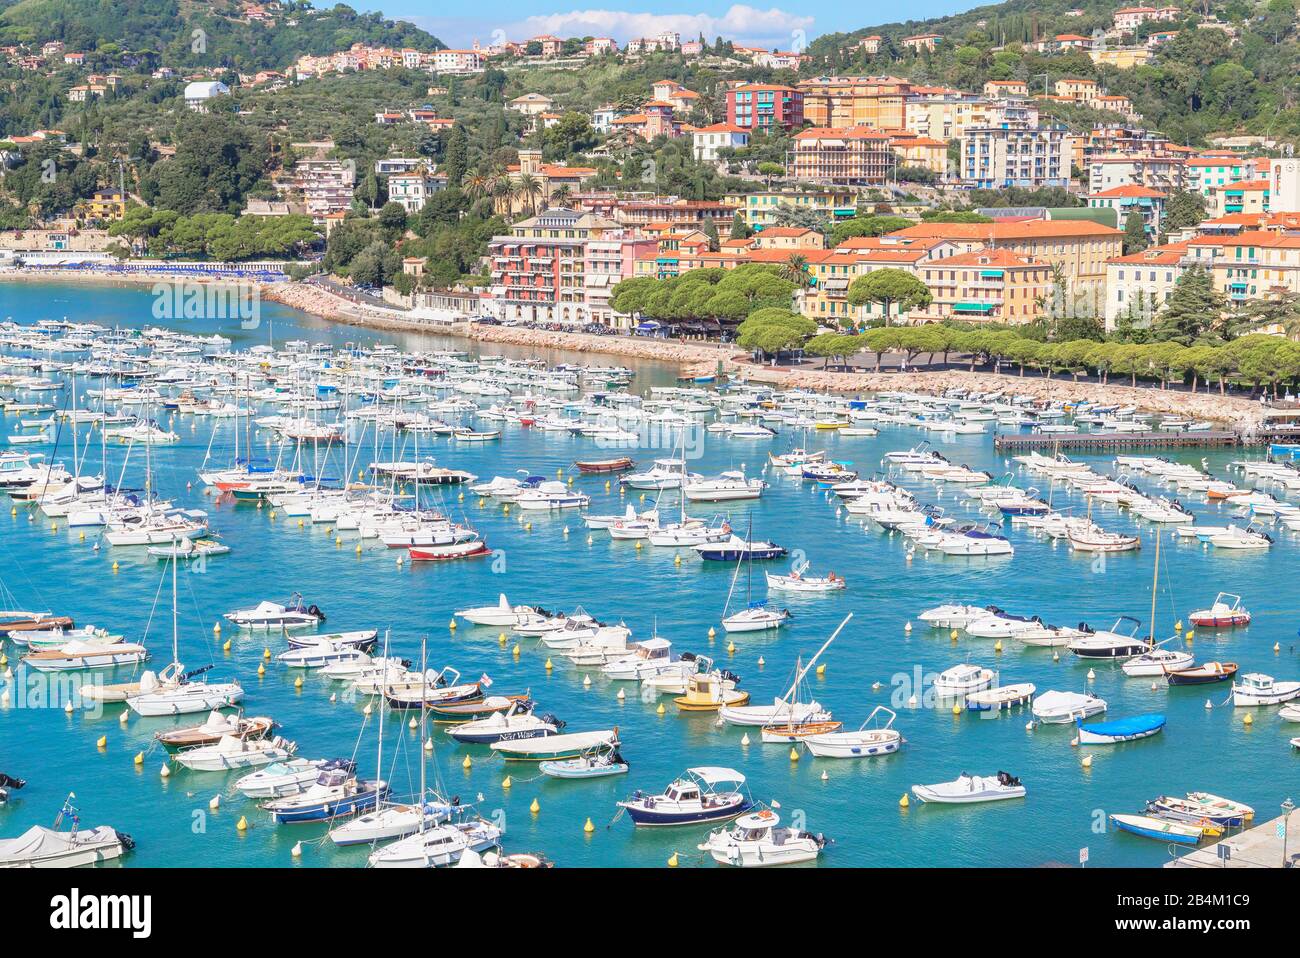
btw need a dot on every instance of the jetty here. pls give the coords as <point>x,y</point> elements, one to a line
<point>1261,846</point>
<point>1106,442</point>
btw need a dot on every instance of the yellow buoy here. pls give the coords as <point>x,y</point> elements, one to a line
<point>677,560</point>
<point>101,742</point>
<point>501,639</point>
<point>904,801</point>
<point>535,807</point>
<point>225,646</point>
<point>242,824</point>
<point>115,566</point>
<point>672,861</point>
<point>528,527</point>
<point>997,646</point>
<point>297,683</point>
<point>956,708</point>
<point>794,754</point>
<point>907,627</point>
<point>821,669</point>
<point>660,710</point>
<point>1178,626</point>
<point>588,828</point>
<point>505,782</point>
<point>467,763</point>
<point>452,625</point>
<point>266,654</point>
<point>139,758</point>
<point>761,662</point>
<point>953,635</point>
<point>515,650</point>
<point>638,545</point>
<point>711,632</point>
<point>731,647</point>
<point>744,739</point>
<point>1277,647</point>
<point>1191,634</point>
<point>261,669</point>
<point>549,666</point>
<point>1248,720</point>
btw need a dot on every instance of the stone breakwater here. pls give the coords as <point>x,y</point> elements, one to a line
<point>696,359</point>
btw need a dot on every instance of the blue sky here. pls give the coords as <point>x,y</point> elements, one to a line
<point>767,23</point>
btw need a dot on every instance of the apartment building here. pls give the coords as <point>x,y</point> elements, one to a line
<point>1080,249</point>
<point>1204,173</point>
<point>1000,157</point>
<point>1139,284</point>
<point>1247,196</point>
<point>1149,203</point>
<point>539,270</point>
<point>1250,265</point>
<point>760,209</point>
<point>412,190</point>
<point>326,186</point>
<point>841,156</point>
<point>1156,172</point>
<point>707,140</point>
<point>607,261</point>
<point>879,102</point>
<point>986,286</point>
<point>765,107</point>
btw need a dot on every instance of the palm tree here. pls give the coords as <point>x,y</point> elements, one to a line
<point>795,269</point>
<point>561,195</point>
<point>529,187</point>
<point>475,184</point>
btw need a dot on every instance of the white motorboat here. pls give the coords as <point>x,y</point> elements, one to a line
<point>664,474</point>
<point>968,789</point>
<point>501,615</point>
<point>960,680</point>
<point>79,655</point>
<point>869,740</point>
<point>1236,537</point>
<point>41,847</point>
<point>650,657</point>
<point>1256,688</point>
<point>437,846</point>
<point>796,581</point>
<point>172,692</point>
<point>1065,708</point>
<point>1120,641</point>
<point>1157,661</point>
<point>389,822</point>
<point>272,615</point>
<point>727,487</point>
<point>233,752</point>
<point>552,495</point>
<point>953,615</point>
<point>758,839</point>
<point>513,724</point>
<point>998,624</point>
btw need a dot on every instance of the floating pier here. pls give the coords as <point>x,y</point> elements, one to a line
<point>1261,846</point>
<point>1111,441</point>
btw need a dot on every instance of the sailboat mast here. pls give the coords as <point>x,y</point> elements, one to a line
<point>1155,577</point>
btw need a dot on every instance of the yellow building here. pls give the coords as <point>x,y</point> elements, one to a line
<point>856,101</point>
<point>1073,88</point>
<point>107,205</point>
<point>1122,58</point>
<point>987,286</point>
<point>760,209</point>
<point>1250,265</point>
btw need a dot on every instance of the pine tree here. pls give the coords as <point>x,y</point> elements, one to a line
<point>456,159</point>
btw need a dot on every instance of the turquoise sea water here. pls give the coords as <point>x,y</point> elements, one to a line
<point>857,803</point>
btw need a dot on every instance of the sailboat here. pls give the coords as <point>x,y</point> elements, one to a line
<point>756,616</point>
<point>173,691</point>
<point>1156,660</point>
<point>783,726</point>
<point>396,819</point>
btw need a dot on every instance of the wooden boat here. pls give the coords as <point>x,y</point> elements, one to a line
<point>217,726</point>
<point>1193,812</point>
<point>1202,674</point>
<point>791,732</point>
<point>469,549</point>
<point>16,621</point>
<point>469,711</point>
<point>1162,829</point>
<point>1120,730</point>
<point>620,464</point>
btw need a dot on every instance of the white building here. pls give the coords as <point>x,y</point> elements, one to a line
<point>709,139</point>
<point>1031,157</point>
<point>198,94</point>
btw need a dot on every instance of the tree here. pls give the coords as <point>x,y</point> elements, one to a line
<point>1183,210</point>
<point>711,233</point>
<point>889,288</point>
<point>795,269</point>
<point>455,161</point>
<point>1135,233</point>
<point>1194,307</point>
<point>739,228</point>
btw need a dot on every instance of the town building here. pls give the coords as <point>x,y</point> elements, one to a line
<point>841,156</point>
<point>765,107</point>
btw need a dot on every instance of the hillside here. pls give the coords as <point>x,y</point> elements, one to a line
<point>1206,80</point>
<point>164,31</point>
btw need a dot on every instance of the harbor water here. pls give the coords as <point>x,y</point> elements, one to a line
<point>553,561</point>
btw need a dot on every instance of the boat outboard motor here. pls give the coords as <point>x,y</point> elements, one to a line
<point>688,656</point>
<point>406,663</point>
<point>552,720</point>
<point>1006,778</point>
<point>729,676</point>
<point>315,610</point>
<point>1086,628</point>
<point>8,781</point>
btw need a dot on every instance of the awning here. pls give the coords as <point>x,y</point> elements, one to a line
<point>984,308</point>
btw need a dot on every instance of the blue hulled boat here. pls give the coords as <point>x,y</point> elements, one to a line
<point>336,793</point>
<point>1120,730</point>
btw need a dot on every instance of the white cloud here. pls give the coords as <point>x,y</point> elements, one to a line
<point>770,28</point>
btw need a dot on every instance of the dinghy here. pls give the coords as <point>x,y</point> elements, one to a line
<point>1226,612</point>
<point>501,615</point>
<point>1000,697</point>
<point>217,726</point>
<point>554,747</point>
<point>1204,674</point>
<point>594,763</point>
<point>969,789</point>
<point>232,752</point>
<point>1062,708</point>
<point>1162,829</point>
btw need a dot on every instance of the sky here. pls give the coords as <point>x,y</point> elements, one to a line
<point>784,25</point>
